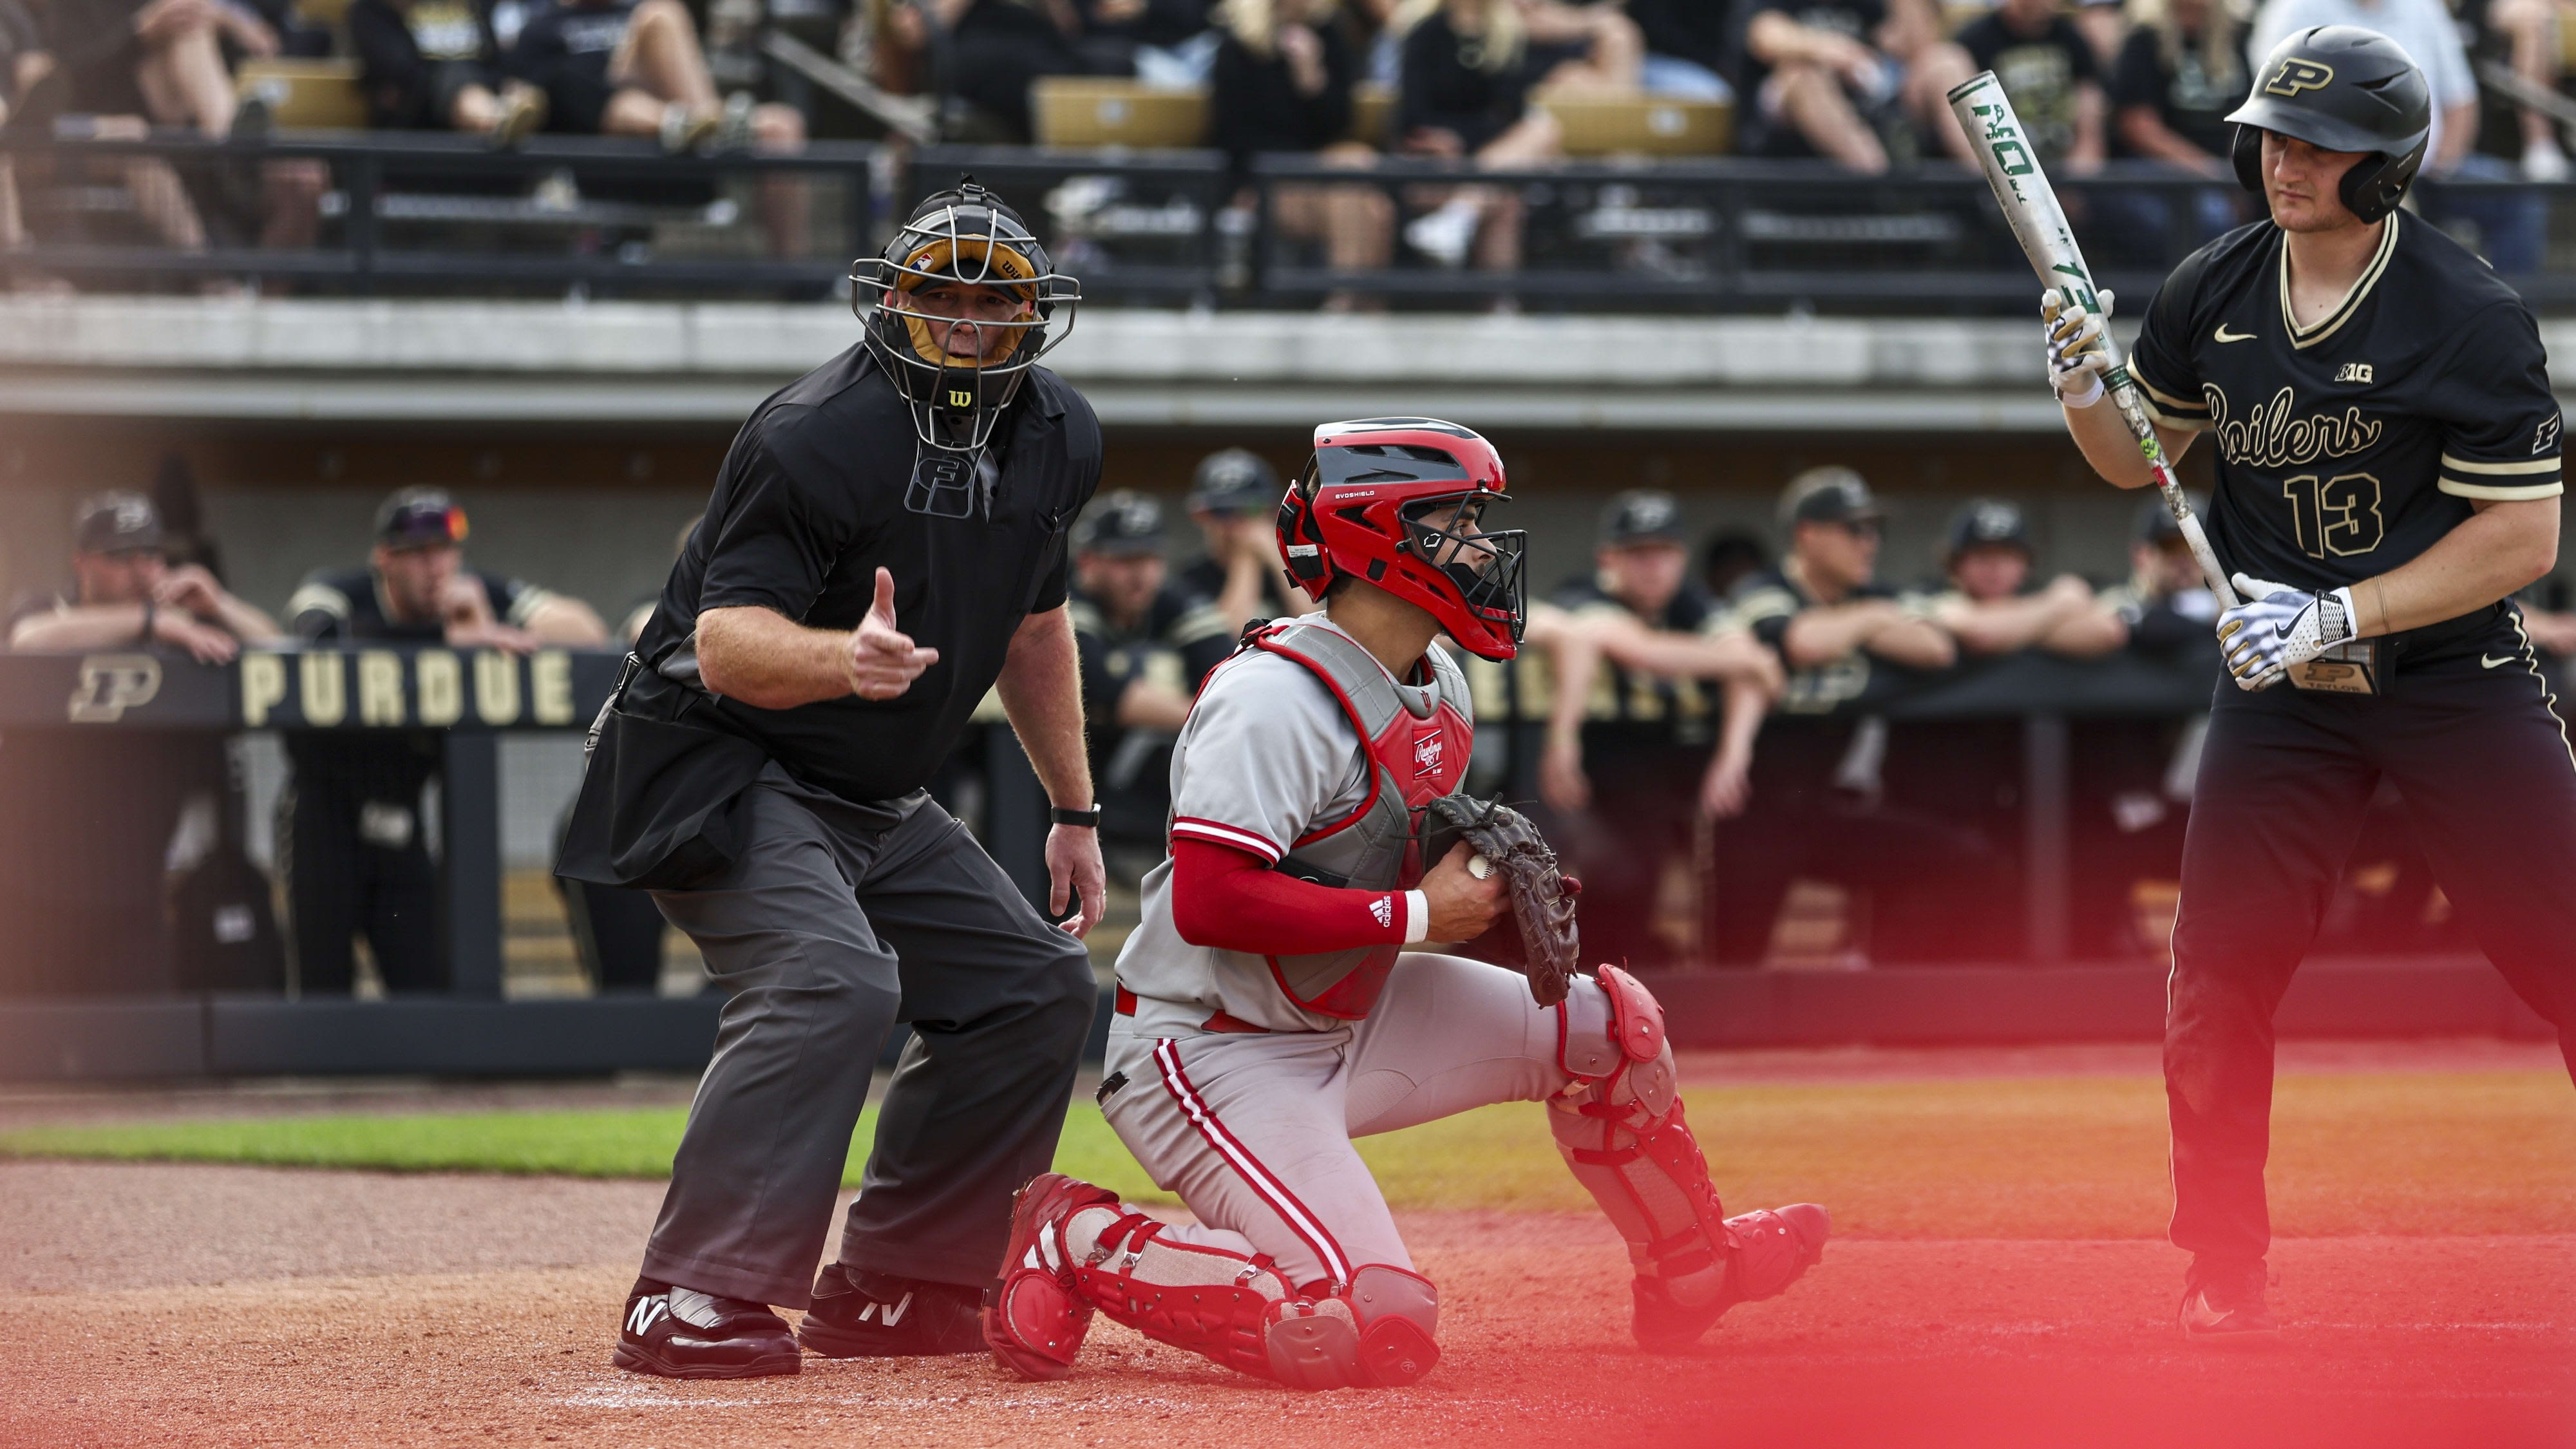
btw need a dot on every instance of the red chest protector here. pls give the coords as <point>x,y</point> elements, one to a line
<point>1414,758</point>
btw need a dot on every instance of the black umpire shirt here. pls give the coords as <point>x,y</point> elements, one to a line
<point>826,482</point>
<point>2347,447</point>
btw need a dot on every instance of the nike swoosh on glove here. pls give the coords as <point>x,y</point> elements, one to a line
<point>2278,626</point>
<point>2076,355</point>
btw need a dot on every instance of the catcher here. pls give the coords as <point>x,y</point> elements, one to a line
<point>1271,1007</point>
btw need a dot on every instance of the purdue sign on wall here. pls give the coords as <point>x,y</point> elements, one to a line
<point>401,689</point>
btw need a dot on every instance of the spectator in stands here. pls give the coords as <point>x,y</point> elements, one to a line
<point>1621,740</point>
<point>1234,499</point>
<point>1854,81</point>
<point>2511,225</point>
<point>350,844</point>
<point>2522,34</point>
<point>2179,73</point>
<point>2050,73</point>
<point>634,68</point>
<point>125,595</point>
<point>88,816</point>
<point>1685,45</point>
<point>1468,69</point>
<point>1160,42</point>
<point>165,61</point>
<point>1145,645</point>
<point>996,49</point>
<point>1582,47</point>
<point>24,62</point>
<point>1808,811</point>
<point>1988,605</point>
<point>434,65</point>
<point>1283,75</point>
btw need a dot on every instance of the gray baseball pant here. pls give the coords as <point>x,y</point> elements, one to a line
<point>1253,1131</point>
<point>836,922</point>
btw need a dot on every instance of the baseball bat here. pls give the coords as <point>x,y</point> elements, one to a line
<point>2030,206</point>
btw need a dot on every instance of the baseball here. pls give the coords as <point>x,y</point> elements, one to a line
<point>1479,867</point>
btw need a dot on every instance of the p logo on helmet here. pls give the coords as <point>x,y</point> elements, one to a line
<point>2298,74</point>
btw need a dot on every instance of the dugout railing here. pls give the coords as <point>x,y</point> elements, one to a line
<point>472,698</point>
<point>430,213</point>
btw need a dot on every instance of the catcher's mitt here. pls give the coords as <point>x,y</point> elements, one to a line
<point>1542,895</point>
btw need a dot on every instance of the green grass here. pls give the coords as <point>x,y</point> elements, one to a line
<point>2491,1152</point>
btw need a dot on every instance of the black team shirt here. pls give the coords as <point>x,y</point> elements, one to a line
<point>2348,447</point>
<point>816,492</point>
<point>388,766</point>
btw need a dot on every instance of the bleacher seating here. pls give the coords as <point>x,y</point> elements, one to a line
<point>1085,112</point>
<point>306,95</point>
<point>1641,126</point>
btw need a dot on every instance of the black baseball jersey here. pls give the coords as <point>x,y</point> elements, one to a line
<point>351,768</point>
<point>1632,710</point>
<point>1180,638</point>
<point>2347,447</point>
<point>350,604</point>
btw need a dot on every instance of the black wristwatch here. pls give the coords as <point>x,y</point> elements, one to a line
<point>1087,819</point>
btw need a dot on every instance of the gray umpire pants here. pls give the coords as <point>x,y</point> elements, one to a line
<point>836,922</point>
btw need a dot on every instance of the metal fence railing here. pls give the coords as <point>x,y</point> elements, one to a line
<point>397,213</point>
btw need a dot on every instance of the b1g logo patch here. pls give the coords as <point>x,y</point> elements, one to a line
<point>1426,754</point>
<point>2296,75</point>
<point>2355,372</point>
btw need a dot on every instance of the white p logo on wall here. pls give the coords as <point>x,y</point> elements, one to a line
<point>111,684</point>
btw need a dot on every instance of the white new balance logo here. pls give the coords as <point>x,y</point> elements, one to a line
<point>646,1313</point>
<point>1384,909</point>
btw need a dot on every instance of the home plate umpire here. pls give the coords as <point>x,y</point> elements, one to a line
<point>886,542</point>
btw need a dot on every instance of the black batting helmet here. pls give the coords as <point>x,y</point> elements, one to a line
<point>969,237</point>
<point>2342,88</point>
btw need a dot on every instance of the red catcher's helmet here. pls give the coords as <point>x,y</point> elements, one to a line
<point>1399,502</point>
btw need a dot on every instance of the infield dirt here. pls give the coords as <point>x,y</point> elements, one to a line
<point>214,1305</point>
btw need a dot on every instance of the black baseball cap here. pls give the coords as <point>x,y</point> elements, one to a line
<point>1121,524</point>
<point>1988,523</point>
<point>116,522</point>
<point>2156,522</point>
<point>1236,481</point>
<point>417,517</point>
<point>1831,494</point>
<point>1641,515</point>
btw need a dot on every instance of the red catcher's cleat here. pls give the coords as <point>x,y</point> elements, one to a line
<point>1036,1320</point>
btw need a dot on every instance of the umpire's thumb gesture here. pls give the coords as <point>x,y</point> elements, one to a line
<point>882,660</point>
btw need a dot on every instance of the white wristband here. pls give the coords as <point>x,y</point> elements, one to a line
<point>2092,392</point>
<point>1417,917</point>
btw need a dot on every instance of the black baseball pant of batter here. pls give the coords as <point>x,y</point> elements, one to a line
<point>834,923</point>
<point>2285,777</point>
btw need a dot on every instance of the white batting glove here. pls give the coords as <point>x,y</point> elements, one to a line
<point>2076,354</point>
<point>2278,626</point>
